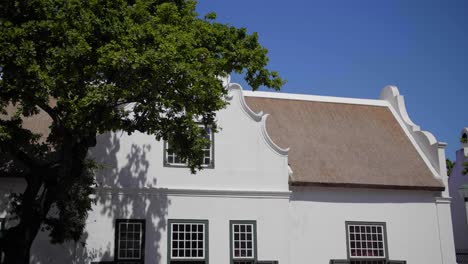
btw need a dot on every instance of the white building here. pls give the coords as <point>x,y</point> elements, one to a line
<point>310,179</point>
<point>458,186</point>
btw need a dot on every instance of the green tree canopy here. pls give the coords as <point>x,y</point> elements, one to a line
<point>81,63</point>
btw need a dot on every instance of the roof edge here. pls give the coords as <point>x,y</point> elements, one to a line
<point>368,186</point>
<point>426,141</point>
<point>316,98</point>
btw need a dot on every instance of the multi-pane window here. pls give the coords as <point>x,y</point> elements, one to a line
<point>243,242</point>
<point>188,241</point>
<point>366,243</point>
<point>172,159</point>
<point>130,237</point>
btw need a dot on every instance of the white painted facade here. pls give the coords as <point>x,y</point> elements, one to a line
<point>459,207</point>
<point>249,181</point>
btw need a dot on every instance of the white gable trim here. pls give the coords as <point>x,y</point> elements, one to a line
<point>426,141</point>
<point>235,90</point>
<point>435,174</point>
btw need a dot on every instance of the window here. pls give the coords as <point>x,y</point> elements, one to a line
<point>172,160</point>
<point>243,242</point>
<point>188,241</point>
<point>129,241</point>
<point>366,243</point>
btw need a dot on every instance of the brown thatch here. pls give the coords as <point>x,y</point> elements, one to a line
<point>38,124</point>
<point>338,144</point>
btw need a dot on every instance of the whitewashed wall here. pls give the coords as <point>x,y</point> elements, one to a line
<point>459,213</point>
<point>243,158</point>
<point>309,226</point>
<point>249,182</point>
<point>318,218</point>
<point>269,210</point>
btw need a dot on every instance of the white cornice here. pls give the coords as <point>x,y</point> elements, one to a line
<point>443,200</point>
<point>316,98</point>
<point>196,192</point>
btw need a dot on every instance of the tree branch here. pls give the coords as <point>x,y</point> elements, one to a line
<point>50,111</point>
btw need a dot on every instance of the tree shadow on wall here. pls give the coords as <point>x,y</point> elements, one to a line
<point>124,192</point>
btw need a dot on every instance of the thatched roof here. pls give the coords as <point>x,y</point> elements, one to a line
<point>341,144</point>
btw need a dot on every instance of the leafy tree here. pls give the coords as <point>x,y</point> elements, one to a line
<point>449,164</point>
<point>80,62</point>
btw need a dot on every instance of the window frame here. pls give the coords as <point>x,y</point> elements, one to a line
<point>231,240</point>
<point>348,245</point>
<point>205,239</point>
<point>117,259</point>
<point>184,165</point>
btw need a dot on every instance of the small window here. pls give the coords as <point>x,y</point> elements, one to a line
<point>130,241</point>
<point>243,242</point>
<point>188,241</point>
<point>172,160</point>
<point>366,243</point>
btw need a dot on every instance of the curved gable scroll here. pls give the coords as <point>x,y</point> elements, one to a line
<point>235,93</point>
<point>426,140</point>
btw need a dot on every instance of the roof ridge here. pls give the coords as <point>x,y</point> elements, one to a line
<point>316,98</point>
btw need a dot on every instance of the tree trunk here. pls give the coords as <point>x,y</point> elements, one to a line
<point>18,240</point>
<point>35,203</point>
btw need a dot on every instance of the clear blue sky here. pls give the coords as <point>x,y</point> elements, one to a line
<point>355,48</point>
